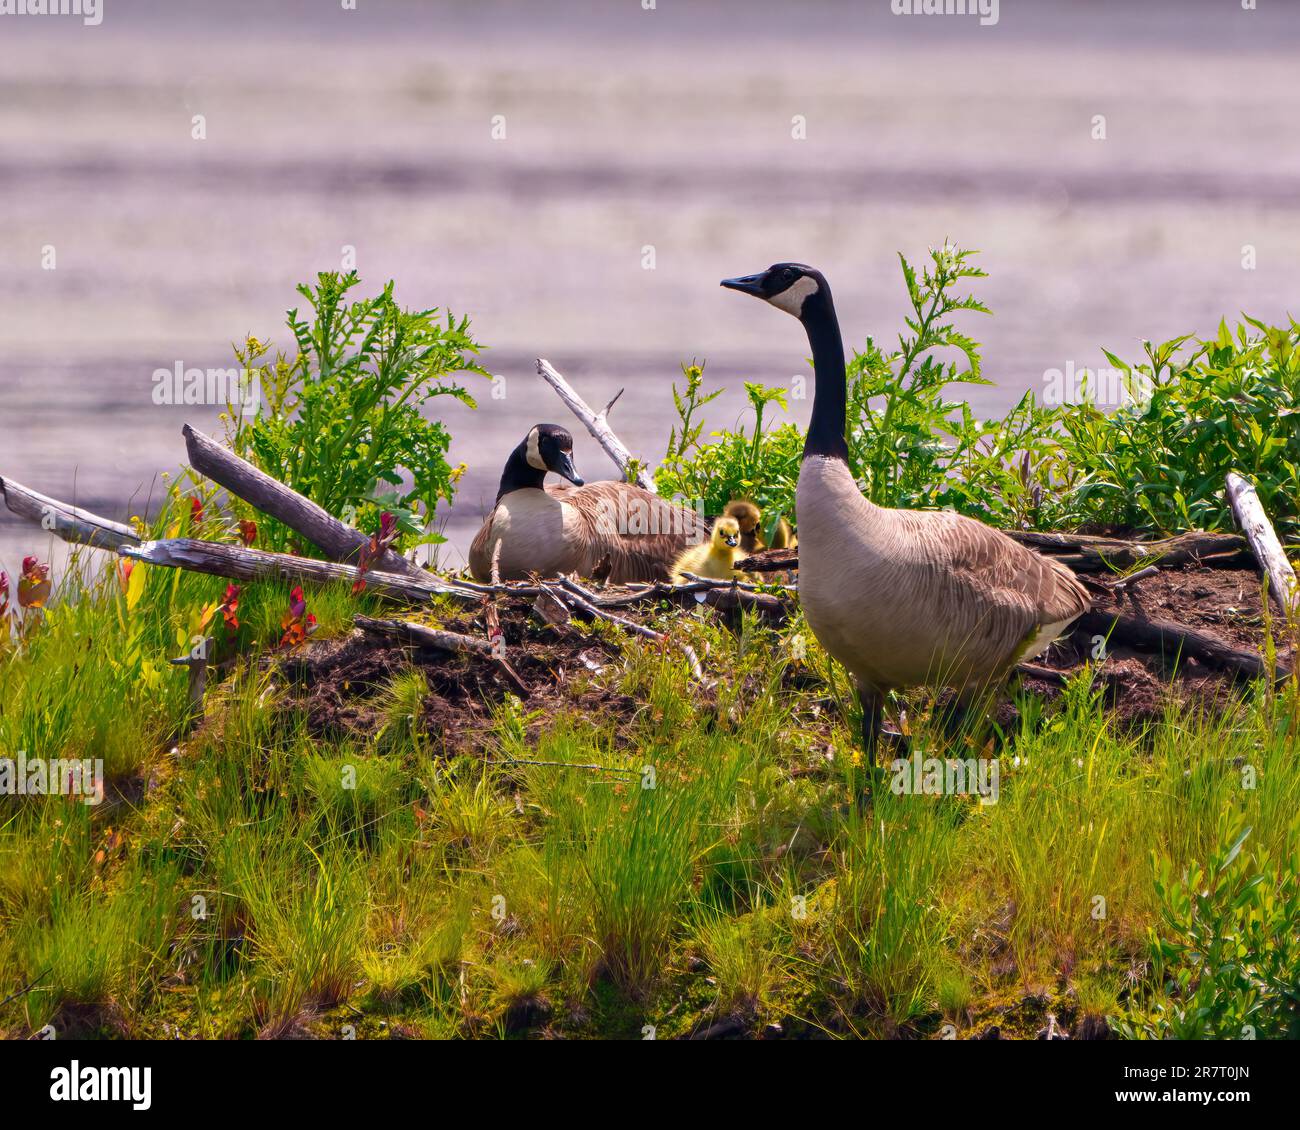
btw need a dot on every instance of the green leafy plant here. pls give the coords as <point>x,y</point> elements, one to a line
<point>762,465</point>
<point>1233,403</point>
<point>341,421</point>
<point>1226,951</point>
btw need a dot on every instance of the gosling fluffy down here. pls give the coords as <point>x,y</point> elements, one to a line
<point>716,558</point>
<point>750,518</point>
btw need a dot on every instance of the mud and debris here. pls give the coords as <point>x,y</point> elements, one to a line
<point>341,681</point>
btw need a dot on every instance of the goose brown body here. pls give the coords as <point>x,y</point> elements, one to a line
<point>912,598</point>
<point>578,530</point>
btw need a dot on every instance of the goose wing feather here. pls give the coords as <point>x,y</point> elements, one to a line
<point>1005,598</point>
<point>641,533</point>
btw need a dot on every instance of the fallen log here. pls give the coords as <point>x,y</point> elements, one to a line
<point>425,636</point>
<point>1264,543</point>
<point>769,561</point>
<point>1085,553</point>
<point>71,523</point>
<point>1174,640</point>
<point>597,423</point>
<point>240,564</point>
<point>340,541</point>
<point>1081,552</point>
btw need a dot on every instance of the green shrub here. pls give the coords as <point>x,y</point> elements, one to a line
<point>762,466</point>
<point>1156,465</point>
<point>341,421</point>
<point>1233,404</point>
<point>1226,952</point>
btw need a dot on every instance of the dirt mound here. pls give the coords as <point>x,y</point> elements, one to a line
<point>343,679</point>
<point>1226,602</point>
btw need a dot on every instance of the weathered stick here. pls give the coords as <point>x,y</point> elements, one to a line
<point>198,668</point>
<point>596,423</point>
<point>71,523</point>
<point>339,541</point>
<point>769,561</point>
<point>1264,543</point>
<point>1172,639</point>
<point>425,636</point>
<point>1087,554</point>
<point>241,564</point>
<point>1082,553</point>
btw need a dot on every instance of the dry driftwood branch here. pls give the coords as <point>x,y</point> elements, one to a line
<point>339,541</point>
<point>1087,554</point>
<point>71,523</point>
<point>240,564</point>
<point>1081,552</point>
<point>1170,639</point>
<point>769,561</point>
<point>425,636</point>
<point>596,423</point>
<point>1264,543</point>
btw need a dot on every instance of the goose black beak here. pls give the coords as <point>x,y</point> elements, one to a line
<point>565,468</point>
<point>747,284</point>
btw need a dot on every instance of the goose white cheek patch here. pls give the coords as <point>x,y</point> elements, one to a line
<point>791,299</point>
<point>534,454</point>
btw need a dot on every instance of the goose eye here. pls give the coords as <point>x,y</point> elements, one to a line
<point>788,273</point>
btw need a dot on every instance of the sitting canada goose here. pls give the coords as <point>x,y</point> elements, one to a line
<point>750,518</point>
<point>902,597</point>
<point>716,558</point>
<point>630,533</point>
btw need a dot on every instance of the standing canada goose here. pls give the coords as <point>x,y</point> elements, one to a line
<point>716,558</point>
<point>902,597</point>
<point>628,533</point>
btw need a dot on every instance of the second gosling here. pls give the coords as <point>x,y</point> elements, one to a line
<point>715,558</point>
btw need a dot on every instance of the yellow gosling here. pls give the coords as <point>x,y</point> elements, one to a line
<point>715,558</point>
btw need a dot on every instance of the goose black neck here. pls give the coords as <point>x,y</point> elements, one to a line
<point>830,390</point>
<point>519,473</point>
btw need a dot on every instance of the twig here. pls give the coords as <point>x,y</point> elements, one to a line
<point>71,523</point>
<point>1133,578</point>
<point>743,586</point>
<point>596,423</point>
<point>1264,543</point>
<point>423,635</point>
<point>576,596</point>
<point>339,541</point>
<point>27,988</point>
<point>569,765</point>
<point>240,564</point>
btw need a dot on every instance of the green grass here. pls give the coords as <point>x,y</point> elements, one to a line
<point>733,857</point>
